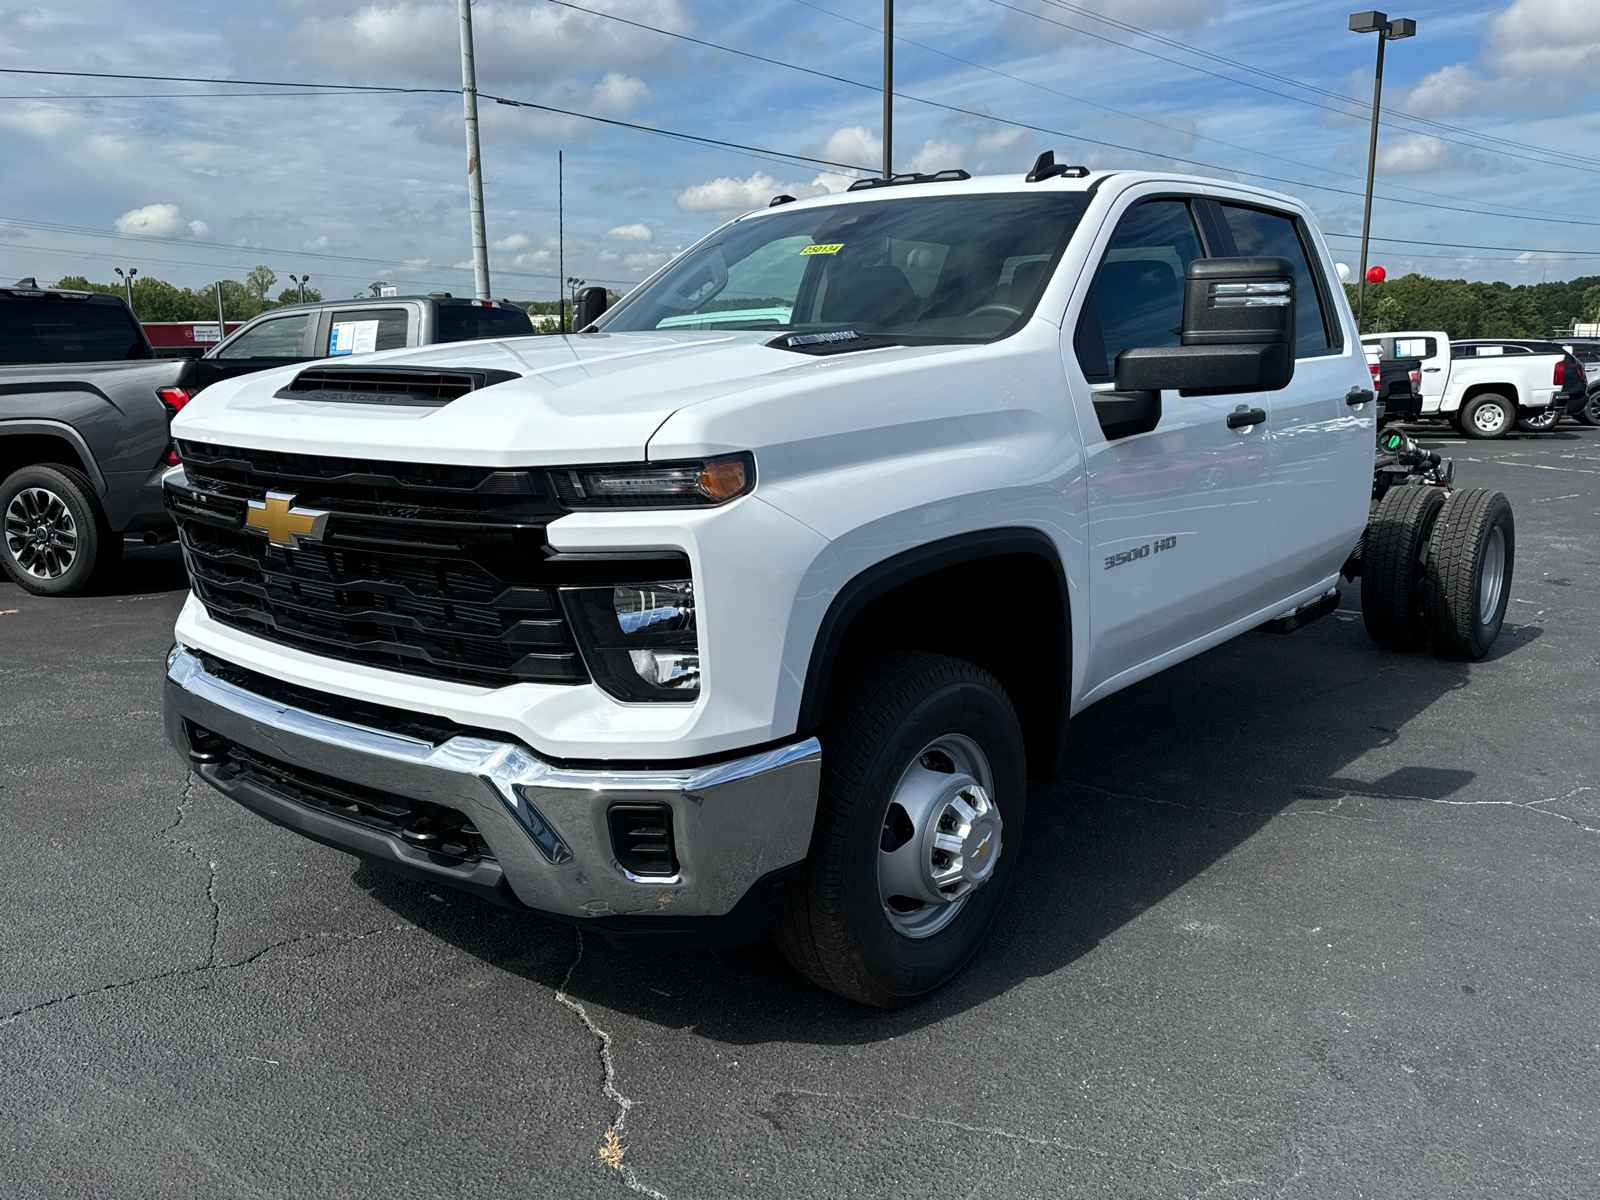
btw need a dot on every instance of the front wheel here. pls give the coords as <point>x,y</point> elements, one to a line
<point>924,790</point>
<point>53,534</point>
<point>1487,416</point>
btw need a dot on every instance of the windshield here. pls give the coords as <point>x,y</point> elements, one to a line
<point>909,269</point>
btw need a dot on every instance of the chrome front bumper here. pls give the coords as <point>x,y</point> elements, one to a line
<point>737,824</point>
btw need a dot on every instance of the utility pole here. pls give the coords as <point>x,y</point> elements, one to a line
<point>222,327</point>
<point>888,88</point>
<point>469,101</point>
<point>1387,31</point>
<point>561,246</point>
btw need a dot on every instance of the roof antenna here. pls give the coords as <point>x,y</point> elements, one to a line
<point>1046,167</point>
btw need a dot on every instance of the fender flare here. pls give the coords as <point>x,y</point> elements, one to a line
<point>883,576</point>
<point>60,429</point>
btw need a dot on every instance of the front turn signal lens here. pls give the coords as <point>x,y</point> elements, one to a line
<point>723,479</point>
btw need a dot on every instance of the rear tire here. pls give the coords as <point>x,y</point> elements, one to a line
<point>1487,416</point>
<point>54,539</point>
<point>1540,420</point>
<point>1469,573</point>
<point>1589,414</point>
<point>910,727</point>
<point>1393,579</point>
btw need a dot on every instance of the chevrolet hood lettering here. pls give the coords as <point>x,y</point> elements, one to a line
<point>284,524</point>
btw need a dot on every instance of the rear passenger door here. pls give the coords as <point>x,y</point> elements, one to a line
<point>1321,446</point>
<point>1177,516</point>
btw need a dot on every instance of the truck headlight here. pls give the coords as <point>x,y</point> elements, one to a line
<point>639,639</point>
<point>700,483</point>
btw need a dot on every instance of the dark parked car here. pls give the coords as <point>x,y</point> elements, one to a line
<point>1587,352</point>
<point>85,406</point>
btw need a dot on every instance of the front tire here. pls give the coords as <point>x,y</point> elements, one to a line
<point>924,790</point>
<point>53,534</point>
<point>1393,579</point>
<point>1487,416</point>
<point>1469,573</point>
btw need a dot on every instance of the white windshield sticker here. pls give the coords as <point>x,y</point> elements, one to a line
<point>353,337</point>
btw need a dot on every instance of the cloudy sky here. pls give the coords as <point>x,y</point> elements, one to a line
<point>192,182</point>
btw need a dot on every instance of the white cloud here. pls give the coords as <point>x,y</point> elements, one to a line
<point>1540,38</point>
<point>854,146</point>
<point>515,241</point>
<point>514,43</point>
<point>158,220</point>
<point>1414,154</point>
<point>734,195</point>
<point>934,156</point>
<point>324,242</point>
<point>1004,140</point>
<point>632,233</point>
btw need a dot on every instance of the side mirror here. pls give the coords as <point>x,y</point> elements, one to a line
<point>1238,333</point>
<point>586,309</point>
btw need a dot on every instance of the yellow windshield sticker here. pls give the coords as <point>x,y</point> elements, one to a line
<point>833,249</point>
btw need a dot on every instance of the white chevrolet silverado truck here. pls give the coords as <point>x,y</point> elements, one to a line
<point>754,606</point>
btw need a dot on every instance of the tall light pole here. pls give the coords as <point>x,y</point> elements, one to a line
<point>1387,31</point>
<point>469,101</point>
<point>127,283</point>
<point>888,88</point>
<point>300,281</point>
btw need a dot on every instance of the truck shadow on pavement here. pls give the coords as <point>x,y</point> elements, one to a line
<point>1163,780</point>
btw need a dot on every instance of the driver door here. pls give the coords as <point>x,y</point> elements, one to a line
<point>1177,516</point>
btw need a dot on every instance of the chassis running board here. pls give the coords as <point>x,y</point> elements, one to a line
<point>1288,622</point>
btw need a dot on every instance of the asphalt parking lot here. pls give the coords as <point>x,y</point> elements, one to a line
<point>1304,918</point>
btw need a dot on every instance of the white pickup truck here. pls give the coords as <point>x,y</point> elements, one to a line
<point>754,606</point>
<point>1483,388</point>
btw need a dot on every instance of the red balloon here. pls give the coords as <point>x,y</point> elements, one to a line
<point>1376,274</point>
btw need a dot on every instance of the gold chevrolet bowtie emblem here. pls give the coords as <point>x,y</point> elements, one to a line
<point>284,524</point>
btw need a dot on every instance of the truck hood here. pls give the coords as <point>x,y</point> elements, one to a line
<point>581,398</point>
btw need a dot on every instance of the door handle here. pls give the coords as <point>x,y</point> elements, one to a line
<point>1243,418</point>
<point>1432,370</point>
<point>1358,395</point>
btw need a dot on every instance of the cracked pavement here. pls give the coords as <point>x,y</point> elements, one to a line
<point>1190,991</point>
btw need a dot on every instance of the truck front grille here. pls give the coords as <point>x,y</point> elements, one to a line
<point>430,570</point>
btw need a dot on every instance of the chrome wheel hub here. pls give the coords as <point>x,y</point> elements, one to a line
<point>41,534</point>
<point>941,837</point>
<point>1493,577</point>
<point>1489,417</point>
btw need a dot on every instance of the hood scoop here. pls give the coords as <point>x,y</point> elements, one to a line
<point>417,387</point>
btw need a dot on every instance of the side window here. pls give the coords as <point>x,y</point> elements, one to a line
<point>1256,232</point>
<point>360,331</point>
<point>1137,295</point>
<point>280,337</point>
<point>1415,347</point>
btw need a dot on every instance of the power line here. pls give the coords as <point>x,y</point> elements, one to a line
<point>1271,91</point>
<point>269,83</point>
<point>1005,121</point>
<point>1159,124</point>
<point>1292,82</point>
<point>1470,246</point>
<point>253,251</point>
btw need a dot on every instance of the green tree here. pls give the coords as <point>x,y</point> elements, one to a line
<point>259,281</point>
<point>291,295</point>
<point>1591,305</point>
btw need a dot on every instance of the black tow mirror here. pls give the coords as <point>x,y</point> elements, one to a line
<point>586,310</point>
<point>1238,333</point>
